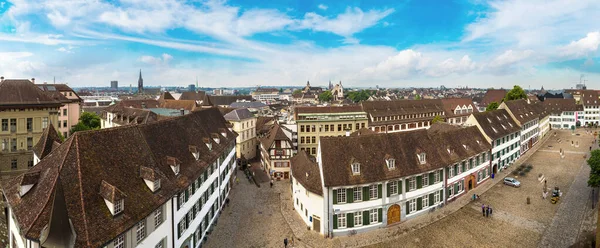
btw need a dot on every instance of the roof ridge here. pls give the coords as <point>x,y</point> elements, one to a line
<point>85,224</point>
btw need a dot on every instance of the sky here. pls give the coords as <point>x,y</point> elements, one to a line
<point>385,43</point>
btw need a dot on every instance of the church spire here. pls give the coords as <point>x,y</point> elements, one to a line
<point>140,83</point>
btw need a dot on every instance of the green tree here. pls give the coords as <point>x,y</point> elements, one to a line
<point>417,97</point>
<point>280,90</point>
<point>325,96</point>
<point>437,119</point>
<point>297,92</point>
<point>516,93</point>
<point>90,120</point>
<point>79,127</point>
<point>594,162</point>
<point>492,106</point>
<point>357,96</point>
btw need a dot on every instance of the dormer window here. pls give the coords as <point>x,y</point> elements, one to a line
<point>208,144</point>
<point>27,182</point>
<point>151,178</point>
<point>466,147</point>
<point>355,169</point>
<point>156,184</point>
<point>113,197</point>
<point>223,132</point>
<point>216,138</point>
<point>422,158</point>
<point>391,163</point>
<point>174,163</point>
<point>195,152</point>
<point>119,206</point>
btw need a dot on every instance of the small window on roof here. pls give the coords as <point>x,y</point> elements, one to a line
<point>355,168</point>
<point>391,163</point>
<point>422,158</point>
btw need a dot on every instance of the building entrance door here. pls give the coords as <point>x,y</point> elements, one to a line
<point>393,215</point>
<point>316,224</point>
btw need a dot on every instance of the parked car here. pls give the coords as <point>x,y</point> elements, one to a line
<point>512,182</point>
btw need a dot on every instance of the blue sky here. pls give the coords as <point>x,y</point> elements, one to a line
<point>389,43</point>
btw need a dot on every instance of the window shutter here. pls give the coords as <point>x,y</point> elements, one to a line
<point>407,208</point>
<point>388,188</point>
<point>431,199</point>
<point>419,203</point>
<point>366,218</point>
<point>335,221</point>
<point>350,195</point>
<point>365,194</point>
<point>379,215</point>
<point>335,196</point>
<point>447,172</point>
<point>419,182</point>
<point>442,195</point>
<point>407,185</point>
<point>350,220</point>
<point>441,175</point>
<point>431,178</point>
<point>379,191</point>
<point>400,187</point>
<point>455,188</point>
<point>187,195</point>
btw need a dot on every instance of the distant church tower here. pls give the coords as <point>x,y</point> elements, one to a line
<point>140,84</point>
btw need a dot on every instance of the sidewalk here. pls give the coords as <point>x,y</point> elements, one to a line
<point>312,239</point>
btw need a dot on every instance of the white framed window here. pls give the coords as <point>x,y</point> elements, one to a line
<point>412,184</point>
<point>358,218</point>
<point>373,191</point>
<point>119,242</point>
<point>119,206</point>
<point>391,163</point>
<point>357,194</point>
<point>461,185</point>
<point>425,179</point>
<point>436,177</point>
<point>140,232</point>
<point>450,171</point>
<point>158,217</point>
<point>425,201</point>
<point>156,185</point>
<point>373,215</point>
<point>422,158</point>
<point>451,190</point>
<point>393,187</point>
<point>412,205</point>
<point>341,195</point>
<point>160,244</point>
<point>436,197</point>
<point>341,220</point>
<point>355,168</point>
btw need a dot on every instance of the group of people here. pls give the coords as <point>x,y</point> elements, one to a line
<point>486,210</point>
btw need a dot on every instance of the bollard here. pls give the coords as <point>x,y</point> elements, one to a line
<point>528,200</point>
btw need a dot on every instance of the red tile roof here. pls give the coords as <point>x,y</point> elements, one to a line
<point>493,96</point>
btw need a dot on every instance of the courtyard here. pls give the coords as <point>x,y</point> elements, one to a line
<point>263,217</point>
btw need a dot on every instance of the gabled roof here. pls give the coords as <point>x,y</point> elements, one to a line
<point>238,114</point>
<point>276,133</point>
<point>80,165</point>
<point>328,109</point>
<point>306,171</point>
<point>523,111</point>
<point>559,105</point>
<point>363,131</point>
<point>496,123</point>
<point>589,97</point>
<point>199,96</point>
<point>23,93</point>
<point>227,100</point>
<point>370,151</point>
<point>46,143</point>
<point>493,96</point>
<point>401,107</point>
<point>54,90</point>
<point>166,96</point>
<point>247,105</point>
<point>139,103</point>
<point>450,104</point>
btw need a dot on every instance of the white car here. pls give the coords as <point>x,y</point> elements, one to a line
<point>512,182</point>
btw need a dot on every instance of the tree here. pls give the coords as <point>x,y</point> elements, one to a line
<point>417,97</point>
<point>594,162</point>
<point>79,127</point>
<point>516,93</point>
<point>492,106</point>
<point>437,119</point>
<point>325,96</point>
<point>357,96</point>
<point>280,90</point>
<point>297,92</point>
<point>90,119</point>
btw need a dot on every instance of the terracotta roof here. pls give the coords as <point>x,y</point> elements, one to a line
<point>306,171</point>
<point>262,124</point>
<point>199,96</point>
<point>589,97</point>
<point>140,103</point>
<point>328,109</point>
<point>370,151</point>
<point>496,123</point>
<point>559,105</point>
<point>80,165</point>
<point>166,96</point>
<point>238,114</point>
<point>450,105</point>
<point>276,133</point>
<point>523,111</point>
<point>23,93</point>
<point>493,96</point>
<point>401,107</point>
<point>227,100</point>
<point>46,143</point>
<point>363,131</point>
<point>54,90</point>
<point>189,105</point>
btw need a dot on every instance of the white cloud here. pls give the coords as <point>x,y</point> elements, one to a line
<point>10,56</point>
<point>346,24</point>
<point>582,47</point>
<point>322,6</point>
<point>509,58</point>
<point>449,66</point>
<point>157,61</point>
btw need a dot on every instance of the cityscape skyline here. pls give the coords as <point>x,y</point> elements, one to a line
<point>243,44</point>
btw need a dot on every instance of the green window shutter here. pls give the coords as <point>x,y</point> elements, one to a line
<point>407,208</point>
<point>400,187</point>
<point>350,195</point>
<point>419,203</point>
<point>365,193</point>
<point>456,166</point>
<point>455,188</point>
<point>407,186</point>
<point>366,218</point>
<point>419,182</point>
<point>379,191</point>
<point>431,178</point>
<point>335,221</point>
<point>431,199</point>
<point>350,220</point>
<point>464,166</point>
<point>442,195</point>
<point>380,215</point>
<point>441,175</point>
<point>388,189</point>
<point>335,196</point>
<point>447,172</point>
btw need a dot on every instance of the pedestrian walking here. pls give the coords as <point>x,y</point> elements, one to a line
<point>483,209</point>
<point>271,183</point>
<point>487,211</point>
<point>491,210</point>
<point>285,242</point>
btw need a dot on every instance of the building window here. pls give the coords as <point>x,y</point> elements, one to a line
<point>422,158</point>
<point>341,195</point>
<point>391,163</point>
<point>373,215</point>
<point>13,164</point>
<point>119,242</point>
<point>436,197</point>
<point>425,179</point>
<point>160,244</point>
<point>156,184</point>
<point>412,205</point>
<point>358,219</point>
<point>29,124</point>
<point>119,206</point>
<point>13,145</point>
<point>393,187</point>
<point>313,151</point>
<point>355,168</point>
<point>140,233</point>
<point>4,125</point>
<point>425,200</point>
<point>301,140</point>
<point>412,184</point>
<point>158,217</point>
<point>461,185</point>
<point>64,123</point>
<point>5,145</point>
<point>357,194</point>
<point>13,125</point>
<point>341,220</point>
<point>30,163</point>
<point>373,191</point>
<point>45,122</point>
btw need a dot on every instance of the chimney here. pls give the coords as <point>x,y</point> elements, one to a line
<point>33,80</point>
<point>143,105</point>
<point>182,111</point>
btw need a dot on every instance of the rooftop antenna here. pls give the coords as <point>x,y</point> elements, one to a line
<point>54,79</point>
